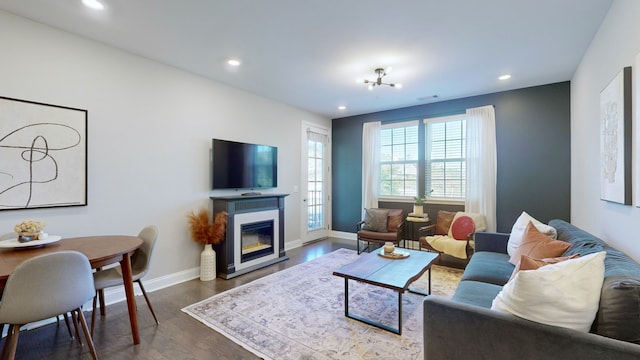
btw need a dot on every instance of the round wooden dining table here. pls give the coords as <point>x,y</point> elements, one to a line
<point>100,250</point>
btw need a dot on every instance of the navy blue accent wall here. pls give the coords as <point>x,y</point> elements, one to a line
<point>533,144</point>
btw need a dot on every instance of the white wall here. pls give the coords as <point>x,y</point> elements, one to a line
<point>150,128</point>
<point>614,47</point>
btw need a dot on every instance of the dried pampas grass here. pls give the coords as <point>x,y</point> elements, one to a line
<point>219,228</point>
<point>203,232</point>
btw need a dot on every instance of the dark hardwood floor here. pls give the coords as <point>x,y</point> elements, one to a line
<point>178,336</point>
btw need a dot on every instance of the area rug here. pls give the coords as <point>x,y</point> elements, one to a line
<point>298,313</point>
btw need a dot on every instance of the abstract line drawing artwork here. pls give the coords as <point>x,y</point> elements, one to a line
<point>43,155</point>
<point>615,139</point>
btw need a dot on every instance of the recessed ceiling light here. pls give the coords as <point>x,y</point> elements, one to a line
<point>505,77</point>
<point>342,107</point>
<point>234,62</point>
<point>94,4</point>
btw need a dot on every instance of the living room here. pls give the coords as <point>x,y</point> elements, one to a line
<point>150,128</point>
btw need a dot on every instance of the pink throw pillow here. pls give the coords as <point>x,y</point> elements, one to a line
<point>462,227</point>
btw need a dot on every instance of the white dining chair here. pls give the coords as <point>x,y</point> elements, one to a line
<point>13,235</point>
<point>43,287</point>
<point>139,267</point>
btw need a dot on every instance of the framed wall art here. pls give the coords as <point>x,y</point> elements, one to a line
<point>636,109</point>
<point>43,155</point>
<point>615,139</point>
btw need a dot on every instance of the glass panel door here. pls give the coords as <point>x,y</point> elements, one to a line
<point>315,194</point>
<point>315,185</point>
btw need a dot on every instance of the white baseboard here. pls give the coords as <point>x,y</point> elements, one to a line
<point>292,244</point>
<point>344,235</point>
<point>116,294</point>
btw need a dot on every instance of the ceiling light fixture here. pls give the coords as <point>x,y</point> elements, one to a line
<point>342,107</point>
<point>234,62</point>
<point>380,73</point>
<point>505,77</point>
<point>94,4</point>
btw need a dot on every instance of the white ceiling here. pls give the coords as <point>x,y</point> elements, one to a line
<point>308,53</point>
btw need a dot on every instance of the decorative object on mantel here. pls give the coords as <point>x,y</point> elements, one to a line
<point>29,230</point>
<point>208,234</point>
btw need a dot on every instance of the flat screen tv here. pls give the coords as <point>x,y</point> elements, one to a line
<point>237,165</point>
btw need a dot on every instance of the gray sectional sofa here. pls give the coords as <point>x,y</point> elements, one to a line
<point>465,327</point>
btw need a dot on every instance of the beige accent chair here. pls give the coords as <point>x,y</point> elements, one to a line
<point>394,231</point>
<point>441,238</point>
<point>43,287</point>
<point>139,267</point>
<point>13,235</point>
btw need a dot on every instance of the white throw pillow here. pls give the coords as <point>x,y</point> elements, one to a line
<point>565,294</point>
<point>515,238</point>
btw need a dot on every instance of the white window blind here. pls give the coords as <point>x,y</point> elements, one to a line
<point>399,159</point>
<point>445,163</point>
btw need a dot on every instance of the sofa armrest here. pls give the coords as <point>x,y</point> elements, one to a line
<point>454,330</point>
<point>491,241</point>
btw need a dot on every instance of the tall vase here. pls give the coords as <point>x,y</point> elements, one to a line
<point>207,263</point>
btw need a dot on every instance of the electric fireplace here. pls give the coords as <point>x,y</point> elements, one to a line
<point>255,233</point>
<point>256,240</point>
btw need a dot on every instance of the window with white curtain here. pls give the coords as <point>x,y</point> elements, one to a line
<point>445,163</point>
<point>399,150</point>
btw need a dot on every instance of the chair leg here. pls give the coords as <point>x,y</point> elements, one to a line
<point>5,346</point>
<point>74,318</point>
<point>68,324</point>
<point>93,312</point>
<point>87,335</point>
<point>103,308</point>
<point>148,302</point>
<point>15,332</point>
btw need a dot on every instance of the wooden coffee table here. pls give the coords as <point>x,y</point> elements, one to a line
<point>395,274</point>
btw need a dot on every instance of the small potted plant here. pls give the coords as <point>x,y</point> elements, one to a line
<point>208,234</point>
<point>418,205</point>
